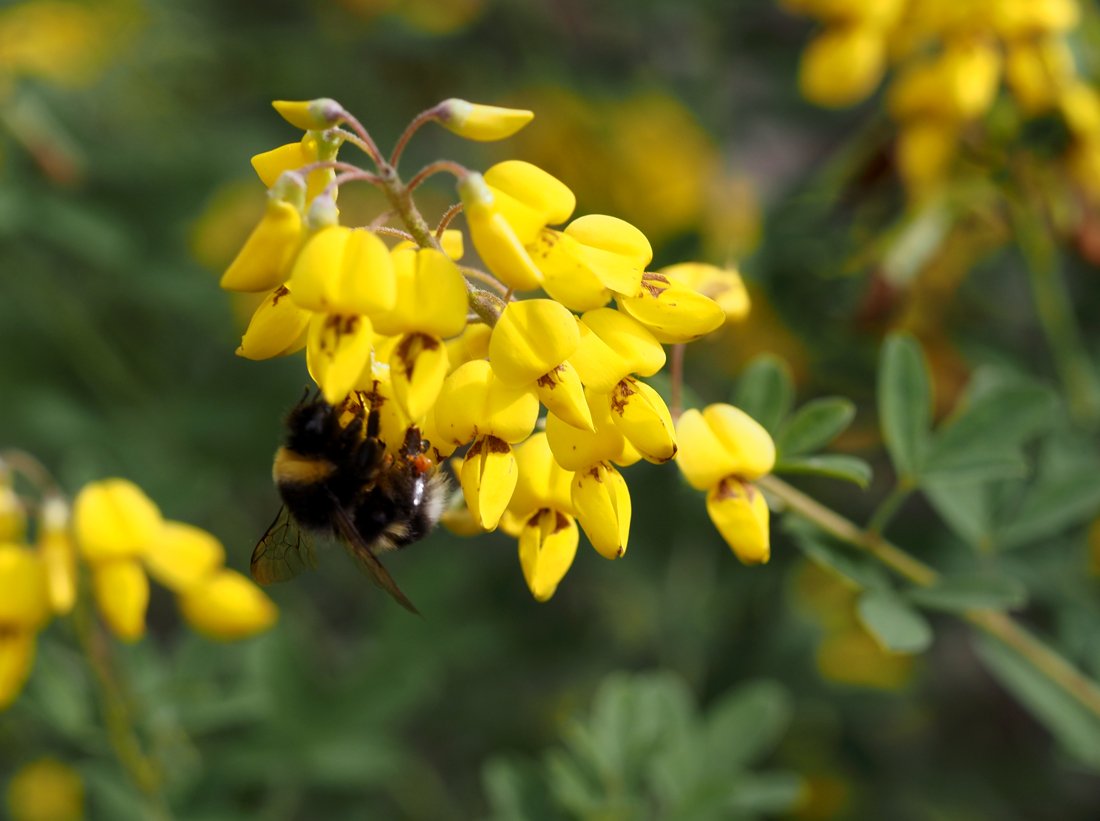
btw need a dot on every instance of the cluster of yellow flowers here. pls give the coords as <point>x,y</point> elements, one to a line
<point>950,57</point>
<point>122,539</point>
<point>450,348</point>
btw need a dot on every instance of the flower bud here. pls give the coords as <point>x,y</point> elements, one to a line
<point>55,546</point>
<point>484,123</point>
<point>310,115</point>
<point>842,65</point>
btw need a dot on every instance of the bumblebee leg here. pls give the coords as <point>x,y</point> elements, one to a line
<point>413,444</point>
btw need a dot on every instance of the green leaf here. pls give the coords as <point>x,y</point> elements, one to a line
<point>1050,506</point>
<point>982,441</point>
<point>765,391</point>
<point>894,624</point>
<point>772,793</point>
<point>835,556</point>
<point>966,509</point>
<point>746,724</point>
<point>960,593</point>
<point>1076,729</point>
<point>515,790</point>
<point>904,402</point>
<point>815,425</point>
<point>830,465</point>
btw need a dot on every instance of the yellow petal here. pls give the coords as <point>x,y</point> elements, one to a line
<point>453,244</point>
<point>344,270</point>
<point>114,519</point>
<point>474,401</point>
<point>613,346</point>
<point>602,502</point>
<point>531,337</point>
<point>473,343</point>
<point>488,477</point>
<point>122,595</point>
<point>723,285</point>
<point>183,555</point>
<point>483,123</point>
<point>702,457</point>
<point>1080,104</point>
<point>430,295</point>
<point>277,328</point>
<point>842,65</point>
<point>418,367</point>
<point>16,660</point>
<point>740,513</point>
<point>547,547</point>
<point>535,188</point>
<point>309,115</point>
<point>542,482</point>
<point>924,151</point>
<point>1037,71</point>
<point>495,240</point>
<point>227,606</point>
<point>641,415</point>
<point>265,258</point>
<point>575,448</point>
<point>561,391</point>
<point>673,313</point>
<point>25,599</point>
<point>270,165</point>
<point>566,276</point>
<point>55,546</point>
<point>744,438</point>
<point>612,249</point>
<point>337,350</point>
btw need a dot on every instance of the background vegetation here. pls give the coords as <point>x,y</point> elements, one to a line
<point>675,683</point>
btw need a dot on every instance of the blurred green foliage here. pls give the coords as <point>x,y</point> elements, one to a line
<point>646,687</point>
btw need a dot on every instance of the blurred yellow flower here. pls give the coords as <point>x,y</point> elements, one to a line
<point>46,790</point>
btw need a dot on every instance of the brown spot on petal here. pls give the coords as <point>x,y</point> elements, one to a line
<point>547,380</point>
<point>560,522</point>
<point>280,292</point>
<point>731,487</point>
<point>620,395</point>
<point>655,284</point>
<point>496,445</point>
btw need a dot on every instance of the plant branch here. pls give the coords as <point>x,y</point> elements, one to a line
<point>418,121</point>
<point>1000,625</point>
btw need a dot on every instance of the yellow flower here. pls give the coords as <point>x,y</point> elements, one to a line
<point>842,65</point>
<point>924,151</point>
<point>418,366</point>
<point>122,595</point>
<point>1037,71</point>
<point>531,338</point>
<point>721,450</point>
<point>264,260</point>
<point>613,346</point>
<point>722,441</point>
<point>494,238</point>
<point>593,256</point>
<point>342,270</point>
<point>529,198</point>
<point>277,328</point>
<point>561,391</point>
<point>25,604</point>
<point>226,605</point>
<point>483,123</point>
<point>429,295</point>
<point>114,519</point>
<point>543,483</point>
<point>46,790</point>
<point>338,348</point>
<point>578,448</point>
<point>672,312</point>
<point>475,401</point>
<point>16,660</point>
<point>488,478</point>
<point>723,285</point>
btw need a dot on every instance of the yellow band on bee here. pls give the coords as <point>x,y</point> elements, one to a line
<point>293,467</point>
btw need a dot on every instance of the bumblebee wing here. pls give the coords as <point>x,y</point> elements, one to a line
<point>283,551</point>
<point>365,558</point>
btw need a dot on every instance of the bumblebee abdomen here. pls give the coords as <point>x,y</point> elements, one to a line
<point>302,482</point>
<point>291,467</point>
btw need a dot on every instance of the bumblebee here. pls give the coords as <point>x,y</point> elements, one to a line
<point>337,479</point>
